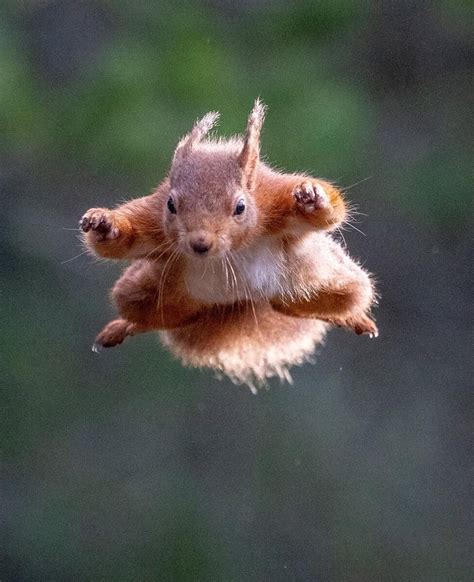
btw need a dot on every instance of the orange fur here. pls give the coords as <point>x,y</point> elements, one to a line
<point>278,207</point>
<point>129,231</point>
<point>247,343</point>
<point>225,236</point>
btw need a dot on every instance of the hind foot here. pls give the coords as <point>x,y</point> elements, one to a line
<point>364,325</point>
<point>113,334</point>
<point>360,325</point>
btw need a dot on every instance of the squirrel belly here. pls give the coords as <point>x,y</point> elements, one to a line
<point>253,273</point>
<point>248,340</point>
<point>271,266</point>
<point>249,344</point>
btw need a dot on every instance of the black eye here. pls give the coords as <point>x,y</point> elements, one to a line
<point>171,206</point>
<point>239,209</point>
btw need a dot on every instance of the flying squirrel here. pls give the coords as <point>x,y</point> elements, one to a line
<point>232,261</point>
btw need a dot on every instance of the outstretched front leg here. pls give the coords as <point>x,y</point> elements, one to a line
<point>319,204</point>
<point>131,230</point>
<point>297,204</point>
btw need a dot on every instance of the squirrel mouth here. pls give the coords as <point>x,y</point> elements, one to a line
<point>203,254</point>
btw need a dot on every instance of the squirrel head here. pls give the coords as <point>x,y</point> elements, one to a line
<point>211,208</point>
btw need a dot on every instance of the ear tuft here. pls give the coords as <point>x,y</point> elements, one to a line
<point>257,115</point>
<point>250,154</point>
<point>201,128</point>
<point>204,125</point>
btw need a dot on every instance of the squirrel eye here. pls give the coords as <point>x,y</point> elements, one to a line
<point>239,209</point>
<point>171,206</point>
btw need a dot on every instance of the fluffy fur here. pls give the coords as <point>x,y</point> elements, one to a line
<point>249,344</point>
<point>232,261</point>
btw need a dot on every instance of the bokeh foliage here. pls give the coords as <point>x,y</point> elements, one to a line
<point>129,467</point>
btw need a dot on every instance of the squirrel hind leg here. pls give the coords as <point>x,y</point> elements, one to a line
<point>363,325</point>
<point>114,334</point>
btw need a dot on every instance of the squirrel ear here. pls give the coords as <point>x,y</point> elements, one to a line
<point>250,154</point>
<point>201,129</point>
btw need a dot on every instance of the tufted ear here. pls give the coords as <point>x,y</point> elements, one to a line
<point>250,154</point>
<point>201,129</point>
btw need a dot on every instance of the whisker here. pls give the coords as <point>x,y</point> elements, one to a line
<point>248,296</point>
<point>166,269</point>
<point>167,250</point>
<point>352,211</point>
<point>339,230</point>
<point>74,258</point>
<point>167,244</point>
<point>235,291</point>
<point>226,272</point>
<point>236,287</point>
<point>205,270</point>
<point>355,228</point>
<point>356,183</point>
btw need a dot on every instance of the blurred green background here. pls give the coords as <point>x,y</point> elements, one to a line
<point>124,465</point>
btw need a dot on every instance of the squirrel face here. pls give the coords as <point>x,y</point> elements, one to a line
<point>210,209</point>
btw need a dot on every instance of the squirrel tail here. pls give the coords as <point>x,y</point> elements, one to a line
<point>249,344</point>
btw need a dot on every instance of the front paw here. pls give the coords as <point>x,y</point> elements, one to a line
<point>310,196</point>
<point>100,222</point>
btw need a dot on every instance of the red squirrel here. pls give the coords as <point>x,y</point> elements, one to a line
<point>232,260</point>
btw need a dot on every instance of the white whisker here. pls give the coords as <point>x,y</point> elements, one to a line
<point>356,183</point>
<point>74,258</point>
<point>166,269</point>
<point>355,228</point>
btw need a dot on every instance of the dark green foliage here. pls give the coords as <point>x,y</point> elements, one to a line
<point>125,466</point>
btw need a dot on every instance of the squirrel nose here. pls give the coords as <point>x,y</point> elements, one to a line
<point>200,245</point>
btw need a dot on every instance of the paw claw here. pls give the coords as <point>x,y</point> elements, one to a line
<point>363,325</point>
<point>84,224</point>
<point>113,334</point>
<point>366,326</point>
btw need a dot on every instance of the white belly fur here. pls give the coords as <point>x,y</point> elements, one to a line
<point>255,272</point>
